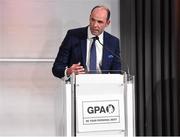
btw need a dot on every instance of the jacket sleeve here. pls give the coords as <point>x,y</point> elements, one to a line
<point>63,56</point>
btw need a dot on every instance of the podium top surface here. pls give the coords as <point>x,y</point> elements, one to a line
<point>99,78</point>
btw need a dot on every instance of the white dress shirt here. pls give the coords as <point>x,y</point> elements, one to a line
<point>99,50</point>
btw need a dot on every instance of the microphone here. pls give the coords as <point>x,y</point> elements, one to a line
<point>117,56</point>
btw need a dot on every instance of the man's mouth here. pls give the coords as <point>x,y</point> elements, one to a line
<point>95,30</point>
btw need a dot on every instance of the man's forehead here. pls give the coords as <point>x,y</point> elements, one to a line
<point>98,19</point>
<point>99,14</point>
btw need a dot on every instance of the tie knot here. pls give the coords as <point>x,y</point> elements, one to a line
<point>94,38</point>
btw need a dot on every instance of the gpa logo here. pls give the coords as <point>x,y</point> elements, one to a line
<point>100,112</point>
<point>101,109</point>
<point>110,108</point>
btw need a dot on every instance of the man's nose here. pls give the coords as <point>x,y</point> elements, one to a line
<point>95,24</point>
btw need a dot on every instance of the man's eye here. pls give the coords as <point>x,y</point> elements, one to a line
<point>100,21</point>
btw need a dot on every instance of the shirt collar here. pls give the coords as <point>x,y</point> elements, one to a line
<point>90,35</point>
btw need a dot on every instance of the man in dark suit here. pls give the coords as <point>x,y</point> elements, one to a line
<point>75,53</point>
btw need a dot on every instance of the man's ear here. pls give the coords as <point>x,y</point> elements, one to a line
<point>108,22</point>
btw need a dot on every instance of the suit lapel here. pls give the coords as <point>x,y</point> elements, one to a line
<point>83,43</point>
<point>83,51</point>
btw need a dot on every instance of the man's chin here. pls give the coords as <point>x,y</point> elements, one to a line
<point>96,33</point>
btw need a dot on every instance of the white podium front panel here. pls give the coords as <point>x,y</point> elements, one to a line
<point>99,103</point>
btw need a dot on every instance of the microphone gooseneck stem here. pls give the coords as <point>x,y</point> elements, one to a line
<point>97,38</point>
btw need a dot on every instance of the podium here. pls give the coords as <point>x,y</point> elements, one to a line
<point>99,105</point>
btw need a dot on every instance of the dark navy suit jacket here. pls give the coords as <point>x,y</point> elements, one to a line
<point>73,50</point>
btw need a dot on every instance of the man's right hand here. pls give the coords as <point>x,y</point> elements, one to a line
<point>75,68</point>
